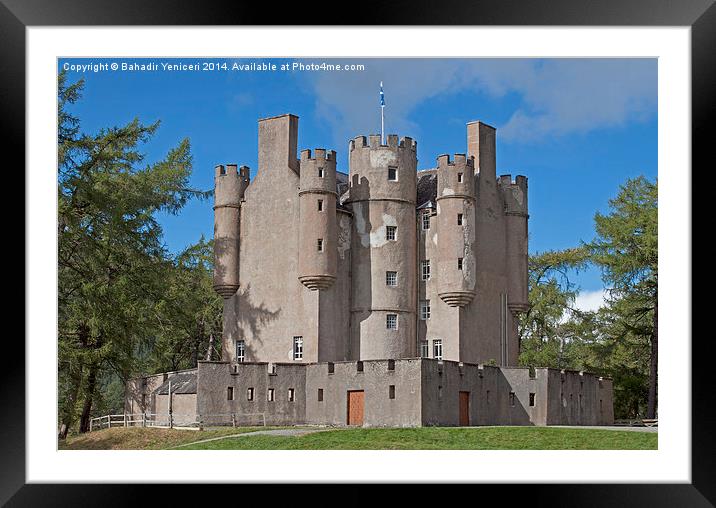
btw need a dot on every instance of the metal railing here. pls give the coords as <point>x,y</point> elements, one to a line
<point>178,421</point>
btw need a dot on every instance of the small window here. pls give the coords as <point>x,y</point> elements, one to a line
<point>391,364</point>
<point>271,394</point>
<point>601,409</point>
<point>320,172</point>
<point>359,366</point>
<point>459,178</point>
<point>391,321</point>
<point>580,401</point>
<point>438,349</point>
<point>426,220</point>
<point>298,348</point>
<point>440,392</point>
<point>230,393</point>
<point>250,394</point>
<point>424,350</point>
<point>320,395</point>
<point>320,205</point>
<point>392,173</point>
<point>424,309</point>
<point>532,399</point>
<point>291,395</point>
<point>240,351</point>
<point>425,269</point>
<point>512,398</point>
<point>459,263</point>
<point>391,391</point>
<point>487,396</point>
<point>390,232</point>
<point>391,278</point>
<point>320,245</point>
<point>459,219</point>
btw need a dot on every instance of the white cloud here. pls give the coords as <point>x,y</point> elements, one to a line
<point>556,97</point>
<point>590,301</point>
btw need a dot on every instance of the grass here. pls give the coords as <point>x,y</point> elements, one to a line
<point>445,438</point>
<point>137,438</point>
<point>428,438</point>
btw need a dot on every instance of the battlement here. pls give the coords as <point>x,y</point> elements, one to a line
<point>519,181</point>
<point>460,160</point>
<point>319,154</point>
<point>372,142</point>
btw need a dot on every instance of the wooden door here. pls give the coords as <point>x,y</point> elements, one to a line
<point>356,401</point>
<point>464,409</point>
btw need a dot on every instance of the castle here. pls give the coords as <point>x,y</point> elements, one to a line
<point>388,296</point>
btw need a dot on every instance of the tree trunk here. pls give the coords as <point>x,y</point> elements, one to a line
<point>210,348</point>
<point>651,405</point>
<point>89,396</point>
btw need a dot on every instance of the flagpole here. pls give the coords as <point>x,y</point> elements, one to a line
<point>382,126</point>
<point>382,116</point>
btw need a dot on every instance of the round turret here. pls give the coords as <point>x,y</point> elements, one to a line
<point>382,197</point>
<point>456,267</point>
<point>318,250</point>
<point>229,187</point>
<point>515,198</point>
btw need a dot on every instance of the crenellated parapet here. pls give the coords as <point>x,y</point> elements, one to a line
<point>456,268</point>
<point>318,250</point>
<point>229,187</point>
<point>514,195</point>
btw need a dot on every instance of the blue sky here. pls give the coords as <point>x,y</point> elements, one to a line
<point>577,128</point>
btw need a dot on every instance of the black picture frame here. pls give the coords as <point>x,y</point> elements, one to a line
<point>700,15</point>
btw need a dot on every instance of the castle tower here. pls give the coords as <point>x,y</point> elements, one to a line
<point>456,268</point>
<point>229,187</point>
<point>515,198</point>
<point>317,254</point>
<point>383,247</point>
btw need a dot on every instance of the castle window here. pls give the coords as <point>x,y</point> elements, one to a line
<point>459,263</point>
<point>487,396</point>
<point>459,219</point>
<point>250,394</point>
<point>512,399</point>
<point>392,173</point>
<point>426,220</point>
<point>532,399</point>
<point>320,205</point>
<point>271,393</point>
<point>291,395</point>
<point>390,232</point>
<point>391,321</point>
<point>391,278</point>
<point>438,349</point>
<point>320,245</point>
<point>320,172</point>
<point>424,350</point>
<point>425,269</point>
<point>424,309</point>
<point>230,393</point>
<point>320,395</point>
<point>240,351</point>
<point>391,391</point>
<point>298,348</point>
<point>459,178</point>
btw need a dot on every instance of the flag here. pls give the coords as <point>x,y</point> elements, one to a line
<point>382,96</point>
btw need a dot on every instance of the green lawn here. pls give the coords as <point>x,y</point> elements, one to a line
<point>436,438</point>
<point>427,438</point>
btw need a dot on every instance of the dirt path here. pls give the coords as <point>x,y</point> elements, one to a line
<point>275,432</point>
